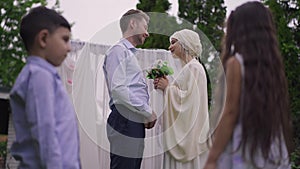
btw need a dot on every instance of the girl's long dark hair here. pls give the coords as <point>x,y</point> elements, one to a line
<point>250,31</point>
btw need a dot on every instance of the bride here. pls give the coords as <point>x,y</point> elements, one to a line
<point>186,120</point>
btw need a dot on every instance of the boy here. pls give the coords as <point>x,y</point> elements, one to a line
<point>43,116</point>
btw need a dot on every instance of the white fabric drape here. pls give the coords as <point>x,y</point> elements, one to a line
<point>84,79</point>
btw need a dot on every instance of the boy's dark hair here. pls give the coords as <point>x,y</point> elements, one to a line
<point>132,13</point>
<point>37,19</point>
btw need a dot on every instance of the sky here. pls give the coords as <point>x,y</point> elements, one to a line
<point>93,16</point>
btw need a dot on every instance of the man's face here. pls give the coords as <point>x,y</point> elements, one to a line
<point>141,31</point>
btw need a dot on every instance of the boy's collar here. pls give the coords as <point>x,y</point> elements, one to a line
<point>42,63</point>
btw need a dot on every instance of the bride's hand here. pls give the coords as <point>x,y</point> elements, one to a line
<point>161,83</point>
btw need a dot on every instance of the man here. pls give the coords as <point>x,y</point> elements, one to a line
<point>129,98</point>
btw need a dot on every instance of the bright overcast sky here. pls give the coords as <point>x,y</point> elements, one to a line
<point>90,16</point>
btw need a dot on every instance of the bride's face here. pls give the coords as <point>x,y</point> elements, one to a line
<point>175,48</point>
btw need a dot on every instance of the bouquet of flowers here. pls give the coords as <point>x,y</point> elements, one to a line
<point>159,69</point>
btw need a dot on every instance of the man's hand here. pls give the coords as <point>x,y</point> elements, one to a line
<point>150,122</point>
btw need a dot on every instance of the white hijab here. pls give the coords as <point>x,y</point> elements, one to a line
<point>190,41</point>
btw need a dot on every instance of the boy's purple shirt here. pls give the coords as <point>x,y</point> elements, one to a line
<point>44,119</point>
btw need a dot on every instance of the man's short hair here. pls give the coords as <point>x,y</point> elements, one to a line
<point>132,13</point>
<point>37,19</point>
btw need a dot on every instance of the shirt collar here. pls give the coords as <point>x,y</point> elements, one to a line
<point>42,63</point>
<point>128,45</point>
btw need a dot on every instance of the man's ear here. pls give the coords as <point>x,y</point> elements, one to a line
<point>132,24</point>
<point>42,38</point>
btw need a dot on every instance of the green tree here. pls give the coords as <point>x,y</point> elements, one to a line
<point>287,19</point>
<point>153,6</point>
<point>160,24</point>
<point>208,15</point>
<point>12,51</point>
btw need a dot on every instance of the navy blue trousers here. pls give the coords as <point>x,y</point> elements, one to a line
<point>126,139</point>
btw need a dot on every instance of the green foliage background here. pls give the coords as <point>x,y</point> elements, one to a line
<point>207,15</point>
<point>12,51</point>
<point>11,48</point>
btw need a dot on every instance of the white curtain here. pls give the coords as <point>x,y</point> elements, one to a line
<point>83,77</point>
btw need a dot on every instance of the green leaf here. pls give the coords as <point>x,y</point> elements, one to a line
<point>12,51</point>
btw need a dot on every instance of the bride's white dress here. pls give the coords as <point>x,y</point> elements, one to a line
<point>186,119</point>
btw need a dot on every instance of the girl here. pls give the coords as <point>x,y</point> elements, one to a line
<point>254,130</point>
